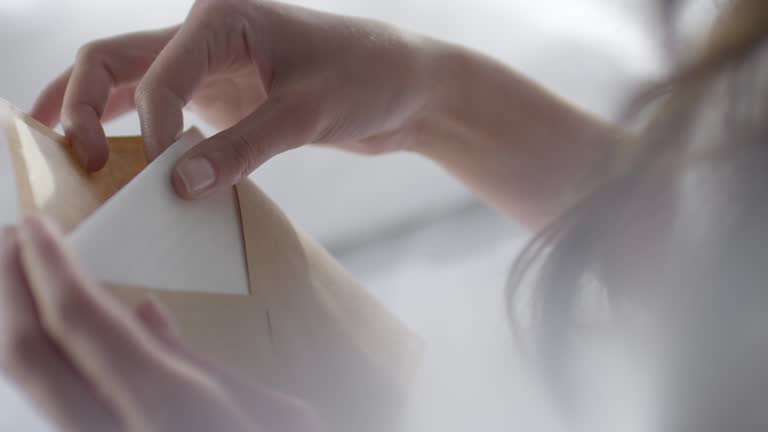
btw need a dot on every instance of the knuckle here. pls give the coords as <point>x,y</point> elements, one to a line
<point>223,15</point>
<point>209,12</point>
<point>92,52</point>
<point>245,153</point>
<point>218,7</point>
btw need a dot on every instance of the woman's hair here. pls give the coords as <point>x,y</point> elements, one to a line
<point>678,230</point>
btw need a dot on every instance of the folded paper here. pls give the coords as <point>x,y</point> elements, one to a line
<point>176,244</point>
<point>303,325</point>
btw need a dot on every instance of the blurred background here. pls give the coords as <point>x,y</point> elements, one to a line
<point>426,247</point>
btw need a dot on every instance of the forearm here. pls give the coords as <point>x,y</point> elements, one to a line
<point>519,147</point>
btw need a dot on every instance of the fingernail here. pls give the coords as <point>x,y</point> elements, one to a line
<point>196,174</point>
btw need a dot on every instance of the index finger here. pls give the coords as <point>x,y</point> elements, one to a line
<point>216,36</point>
<point>84,92</point>
<point>167,87</point>
<point>47,106</point>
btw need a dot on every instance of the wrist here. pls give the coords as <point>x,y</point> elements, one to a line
<point>456,92</point>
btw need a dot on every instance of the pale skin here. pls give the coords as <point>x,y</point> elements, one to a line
<point>272,77</point>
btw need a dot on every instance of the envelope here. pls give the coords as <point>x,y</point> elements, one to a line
<point>302,324</point>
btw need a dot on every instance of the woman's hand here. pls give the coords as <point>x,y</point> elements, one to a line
<point>273,76</point>
<point>92,366</point>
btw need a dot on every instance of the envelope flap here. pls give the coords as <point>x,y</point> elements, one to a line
<point>147,236</point>
<point>232,329</point>
<point>326,329</point>
<point>50,180</point>
<point>300,322</point>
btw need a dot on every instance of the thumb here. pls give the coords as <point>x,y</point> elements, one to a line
<point>231,155</point>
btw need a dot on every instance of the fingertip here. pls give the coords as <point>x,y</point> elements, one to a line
<point>93,157</point>
<point>161,125</point>
<point>93,164</point>
<point>194,177</point>
<point>154,146</point>
<point>179,187</point>
<point>96,158</point>
<point>150,151</point>
<point>83,129</point>
<point>92,151</point>
<point>155,317</point>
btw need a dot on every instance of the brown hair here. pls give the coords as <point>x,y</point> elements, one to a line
<point>711,124</point>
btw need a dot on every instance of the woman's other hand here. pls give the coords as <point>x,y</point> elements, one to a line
<point>92,366</point>
<point>271,76</point>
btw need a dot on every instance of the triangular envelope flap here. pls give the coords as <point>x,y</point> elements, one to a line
<point>145,235</point>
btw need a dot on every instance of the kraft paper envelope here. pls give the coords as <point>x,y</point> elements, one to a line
<point>301,324</point>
